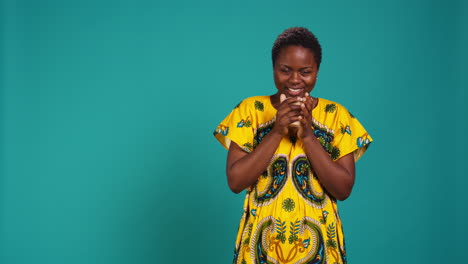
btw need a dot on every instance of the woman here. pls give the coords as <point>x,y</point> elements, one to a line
<point>295,155</point>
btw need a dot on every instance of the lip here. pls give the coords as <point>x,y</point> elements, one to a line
<point>299,91</point>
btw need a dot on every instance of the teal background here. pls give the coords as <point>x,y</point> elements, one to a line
<point>107,110</point>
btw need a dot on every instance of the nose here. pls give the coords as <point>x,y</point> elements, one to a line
<point>294,78</point>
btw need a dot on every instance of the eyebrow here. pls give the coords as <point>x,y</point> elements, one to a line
<point>299,69</point>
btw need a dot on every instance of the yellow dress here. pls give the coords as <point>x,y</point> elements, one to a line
<point>288,216</point>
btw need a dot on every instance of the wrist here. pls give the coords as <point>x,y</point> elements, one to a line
<point>277,133</point>
<point>307,133</point>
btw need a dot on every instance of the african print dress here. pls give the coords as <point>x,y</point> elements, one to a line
<point>288,216</point>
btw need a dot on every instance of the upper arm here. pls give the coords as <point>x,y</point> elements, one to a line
<point>235,153</point>
<point>347,163</point>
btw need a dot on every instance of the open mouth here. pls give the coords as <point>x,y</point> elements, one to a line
<point>295,91</point>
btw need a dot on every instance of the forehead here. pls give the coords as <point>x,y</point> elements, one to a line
<point>296,55</point>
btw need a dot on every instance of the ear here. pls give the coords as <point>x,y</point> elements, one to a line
<point>282,98</point>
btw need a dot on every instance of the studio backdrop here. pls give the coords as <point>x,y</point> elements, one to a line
<point>108,107</point>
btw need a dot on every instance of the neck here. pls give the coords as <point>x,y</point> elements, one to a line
<point>275,100</point>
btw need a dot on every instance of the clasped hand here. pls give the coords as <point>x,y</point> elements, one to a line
<point>295,109</point>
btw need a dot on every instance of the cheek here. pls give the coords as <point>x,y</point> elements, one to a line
<point>278,79</point>
<point>311,82</point>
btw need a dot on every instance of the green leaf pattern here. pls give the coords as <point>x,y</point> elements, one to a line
<point>294,231</point>
<point>330,108</point>
<point>331,234</point>
<point>259,106</point>
<point>281,230</point>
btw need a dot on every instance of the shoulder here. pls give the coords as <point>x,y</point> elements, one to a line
<point>331,115</point>
<point>254,102</point>
<point>331,107</point>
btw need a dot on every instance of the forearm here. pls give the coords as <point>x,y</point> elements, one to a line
<point>244,172</point>
<point>335,178</point>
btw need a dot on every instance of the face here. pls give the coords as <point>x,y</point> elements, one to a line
<point>295,71</point>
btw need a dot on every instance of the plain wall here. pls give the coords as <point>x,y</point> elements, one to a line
<point>108,107</point>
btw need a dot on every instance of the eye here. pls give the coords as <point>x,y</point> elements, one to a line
<point>284,70</point>
<point>306,72</point>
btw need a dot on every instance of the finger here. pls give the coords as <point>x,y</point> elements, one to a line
<point>309,99</point>
<point>287,116</point>
<point>284,109</point>
<point>296,100</point>
<point>296,107</point>
<point>314,102</point>
<point>305,112</point>
<point>306,107</point>
<point>305,122</point>
<point>290,104</point>
<point>282,97</point>
<point>290,100</point>
<point>295,103</point>
<point>293,115</point>
<point>293,119</point>
<point>285,101</point>
<point>300,127</point>
<point>309,103</point>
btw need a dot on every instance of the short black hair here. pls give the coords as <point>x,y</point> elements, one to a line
<point>297,36</point>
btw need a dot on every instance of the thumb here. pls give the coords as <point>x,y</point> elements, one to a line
<point>282,98</point>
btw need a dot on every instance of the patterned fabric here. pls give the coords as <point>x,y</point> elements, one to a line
<point>288,217</point>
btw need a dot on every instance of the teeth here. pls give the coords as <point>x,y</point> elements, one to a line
<point>294,90</point>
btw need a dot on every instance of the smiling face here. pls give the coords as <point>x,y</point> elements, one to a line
<point>295,71</point>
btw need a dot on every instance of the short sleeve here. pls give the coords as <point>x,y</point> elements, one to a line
<point>237,127</point>
<point>350,135</point>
